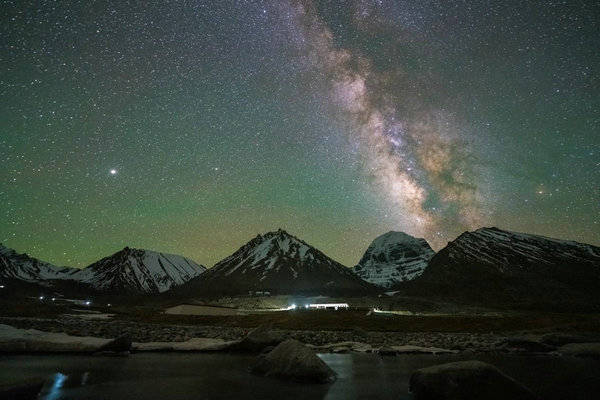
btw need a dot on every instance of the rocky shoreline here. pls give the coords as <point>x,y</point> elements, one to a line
<point>323,341</point>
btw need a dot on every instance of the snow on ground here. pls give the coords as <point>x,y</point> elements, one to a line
<point>33,341</point>
<point>91,316</point>
<point>194,344</point>
<point>188,309</point>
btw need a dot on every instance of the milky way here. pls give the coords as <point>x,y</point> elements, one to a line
<point>412,159</point>
<point>188,127</point>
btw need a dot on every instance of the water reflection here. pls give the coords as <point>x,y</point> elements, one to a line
<point>84,378</point>
<point>225,376</point>
<point>55,391</point>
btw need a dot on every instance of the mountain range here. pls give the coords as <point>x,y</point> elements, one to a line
<point>126,271</point>
<point>488,267</point>
<point>23,267</point>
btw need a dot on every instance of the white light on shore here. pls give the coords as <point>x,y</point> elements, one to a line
<point>325,306</point>
<point>41,297</point>
<point>87,303</point>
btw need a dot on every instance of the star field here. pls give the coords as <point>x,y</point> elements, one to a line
<point>190,126</point>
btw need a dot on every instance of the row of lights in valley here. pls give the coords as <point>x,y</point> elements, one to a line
<point>85,303</point>
<point>321,306</point>
<point>42,298</point>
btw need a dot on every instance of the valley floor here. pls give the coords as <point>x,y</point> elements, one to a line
<point>464,333</point>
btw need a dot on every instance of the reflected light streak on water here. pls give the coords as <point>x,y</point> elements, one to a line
<point>55,391</point>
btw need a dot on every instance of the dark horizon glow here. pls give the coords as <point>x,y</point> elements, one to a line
<point>190,127</point>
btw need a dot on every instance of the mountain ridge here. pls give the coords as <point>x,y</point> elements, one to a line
<point>128,270</point>
<point>495,267</point>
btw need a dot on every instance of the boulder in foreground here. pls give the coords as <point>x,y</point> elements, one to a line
<point>466,380</point>
<point>294,361</point>
<point>121,345</point>
<point>527,344</point>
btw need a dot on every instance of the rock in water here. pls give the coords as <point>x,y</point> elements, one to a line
<point>586,350</point>
<point>524,343</point>
<point>120,345</point>
<point>258,339</point>
<point>387,351</point>
<point>293,360</point>
<point>560,339</point>
<point>466,380</point>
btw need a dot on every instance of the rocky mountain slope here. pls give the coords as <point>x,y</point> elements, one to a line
<point>279,263</point>
<point>394,257</point>
<point>141,271</point>
<point>500,268</point>
<point>125,272</point>
<point>23,267</point>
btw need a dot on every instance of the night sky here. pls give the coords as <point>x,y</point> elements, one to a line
<point>190,126</point>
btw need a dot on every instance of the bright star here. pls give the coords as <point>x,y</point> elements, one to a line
<point>113,171</point>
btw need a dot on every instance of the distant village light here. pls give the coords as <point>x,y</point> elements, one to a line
<point>325,306</point>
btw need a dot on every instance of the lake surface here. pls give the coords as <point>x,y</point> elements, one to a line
<point>224,376</point>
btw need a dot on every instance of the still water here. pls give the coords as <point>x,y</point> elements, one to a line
<point>225,376</point>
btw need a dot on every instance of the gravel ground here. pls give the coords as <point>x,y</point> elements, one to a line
<point>145,332</point>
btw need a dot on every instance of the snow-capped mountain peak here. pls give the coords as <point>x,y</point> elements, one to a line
<point>23,267</point>
<point>394,257</point>
<point>139,270</point>
<point>279,262</point>
<point>268,248</point>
